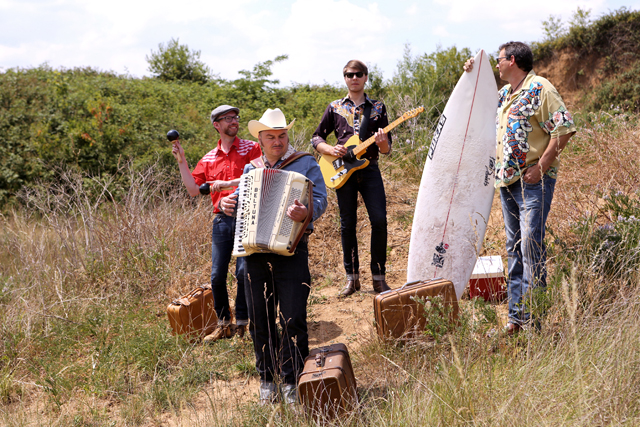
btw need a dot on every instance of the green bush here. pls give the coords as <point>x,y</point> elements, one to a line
<point>96,122</point>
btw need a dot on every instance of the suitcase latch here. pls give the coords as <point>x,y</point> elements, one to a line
<point>320,359</point>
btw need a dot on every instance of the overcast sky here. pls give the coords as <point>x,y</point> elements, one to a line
<point>319,36</point>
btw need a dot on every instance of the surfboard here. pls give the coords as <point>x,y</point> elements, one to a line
<point>456,189</point>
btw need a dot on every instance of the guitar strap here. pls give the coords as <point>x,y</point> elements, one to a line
<point>364,123</point>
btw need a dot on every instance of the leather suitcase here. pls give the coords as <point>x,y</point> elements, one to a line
<point>327,385</point>
<point>399,316</point>
<point>193,314</point>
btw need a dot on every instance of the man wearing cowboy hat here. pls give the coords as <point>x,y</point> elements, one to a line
<point>221,168</point>
<point>280,282</point>
<point>357,114</point>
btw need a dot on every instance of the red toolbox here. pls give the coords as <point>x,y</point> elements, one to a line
<point>487,279</point>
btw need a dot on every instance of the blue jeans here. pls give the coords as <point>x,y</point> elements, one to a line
<point>277,288</point>
<point>222,235</point>
<point>368,182</point>
<point>525,208</point>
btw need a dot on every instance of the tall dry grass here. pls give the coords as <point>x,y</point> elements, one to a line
<point>87,267</point>
<point>583,366</point>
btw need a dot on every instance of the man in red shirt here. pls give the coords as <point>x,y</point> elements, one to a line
<point>221,168</point>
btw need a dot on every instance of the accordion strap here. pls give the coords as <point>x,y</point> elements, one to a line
<point>259,162</point>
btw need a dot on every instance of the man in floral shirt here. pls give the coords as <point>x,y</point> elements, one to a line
<point>533,126</point>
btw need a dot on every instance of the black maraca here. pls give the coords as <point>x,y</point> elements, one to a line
<point>173,135</point>
<point>205,188</point>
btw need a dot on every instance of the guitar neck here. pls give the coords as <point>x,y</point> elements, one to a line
<point>362,147</point>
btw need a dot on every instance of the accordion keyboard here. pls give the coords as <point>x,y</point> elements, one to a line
<point>262,223</point>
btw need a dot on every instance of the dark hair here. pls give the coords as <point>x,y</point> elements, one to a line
<point>358,65</point>
<point>520,52</point>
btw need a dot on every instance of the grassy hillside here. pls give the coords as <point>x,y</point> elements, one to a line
<point>85,341</point>
<point>98,235</point>
<point>95,122</point>
<point>596,62</point>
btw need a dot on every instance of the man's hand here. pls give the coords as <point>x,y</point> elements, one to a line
<point>338,150</point>
<point>220,185</point>
<point>297,211</point>
<point>468,66</point>
<point>532,175</point>
<point>178,151</point>
<point>228,204</point>
<point>330,150</point>
<point>382,141</point>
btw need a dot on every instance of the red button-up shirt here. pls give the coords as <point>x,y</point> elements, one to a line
<point>217,165</point>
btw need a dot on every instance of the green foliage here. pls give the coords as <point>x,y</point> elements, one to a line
<point>438,317</point>
<point>176,62</point>
<point>614,248</point>
<point>423,80</point>
<point>427,79</point>
<point>621,91</point>
<point>615,35</point>
<point>553,28</point>
<point>581,18</point>
<point>96,122</point>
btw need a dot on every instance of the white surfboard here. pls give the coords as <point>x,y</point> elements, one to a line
<point>456,190</point>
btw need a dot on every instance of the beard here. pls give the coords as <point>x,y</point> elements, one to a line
<point>231,131</point>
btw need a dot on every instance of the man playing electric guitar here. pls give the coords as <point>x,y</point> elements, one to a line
<point>356,114</point>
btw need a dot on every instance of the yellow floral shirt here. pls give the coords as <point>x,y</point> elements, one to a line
<point>525,123</point>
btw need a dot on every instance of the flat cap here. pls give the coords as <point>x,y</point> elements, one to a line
<point>221,110</point>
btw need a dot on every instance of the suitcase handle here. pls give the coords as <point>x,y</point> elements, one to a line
<point>185,299</point>
<point>415,282</point>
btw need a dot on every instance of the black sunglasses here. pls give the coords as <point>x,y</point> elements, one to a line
<point>351,75</point>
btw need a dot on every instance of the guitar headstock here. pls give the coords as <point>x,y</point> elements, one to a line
<point>412,113</point>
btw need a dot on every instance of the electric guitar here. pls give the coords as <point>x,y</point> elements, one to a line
<point>337,170</point>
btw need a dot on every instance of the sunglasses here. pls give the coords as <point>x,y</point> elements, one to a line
<point>352,75</point>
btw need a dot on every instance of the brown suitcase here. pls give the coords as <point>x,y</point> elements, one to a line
<point>193,314</point>
<point>327,386</point>
<point>398,315</point>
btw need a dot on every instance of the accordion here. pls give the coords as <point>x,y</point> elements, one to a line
<point>262,224</point>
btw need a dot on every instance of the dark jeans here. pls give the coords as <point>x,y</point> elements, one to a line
<point>525,208</point>
<point>275,281</point>
<point>368,182</point>
<point>221,247</point>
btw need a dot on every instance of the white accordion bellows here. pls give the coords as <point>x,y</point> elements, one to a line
<point>262,223</point>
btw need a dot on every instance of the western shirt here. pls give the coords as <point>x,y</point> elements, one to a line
<point>218,165</point>
<point>344,117</point>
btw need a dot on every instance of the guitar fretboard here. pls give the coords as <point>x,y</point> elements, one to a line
<point>362,147</point>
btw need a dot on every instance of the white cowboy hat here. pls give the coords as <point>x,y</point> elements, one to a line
<point>270,120</point>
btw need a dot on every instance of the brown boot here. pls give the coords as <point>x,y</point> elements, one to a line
<point>380,286</point>
<point>240,330</point>
<point>220,332</point>
<point>350,288</point>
